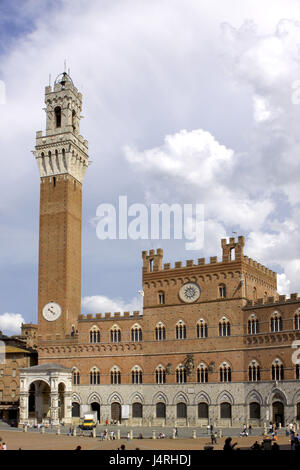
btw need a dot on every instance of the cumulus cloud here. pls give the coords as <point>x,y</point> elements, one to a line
<point>195,167</point>
<point>103,304</point>
<point>10,323</point>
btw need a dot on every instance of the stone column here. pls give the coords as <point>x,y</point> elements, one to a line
<point>191,414</point>
<point>54,408</point>
<point>23,407</point>
<point>67,407</point>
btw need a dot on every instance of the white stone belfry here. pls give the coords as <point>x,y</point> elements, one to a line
<point>50,387</point>
<point>62,150</point>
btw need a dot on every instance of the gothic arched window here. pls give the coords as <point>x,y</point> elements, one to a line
<point>225,372</point>
<point>202,373</point>
<point>253,325</point>
<point>276,322</point>
<point>224,327</point>
<point>94,376</point>
<point>160,375</point>
<point>277,370</point>
<point>136,375</point>
<point>115,376</point>
<point>201,329</point>
<point>115,334</point>
<point>136,333</point>
<point>180,330</point>
<point>254,371</point>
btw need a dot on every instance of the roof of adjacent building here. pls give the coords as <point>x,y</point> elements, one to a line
<point>14,349</point>
<point>47,367</point>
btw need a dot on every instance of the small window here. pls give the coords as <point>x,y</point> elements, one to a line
<point>222,291</point>
<point>161,298</point>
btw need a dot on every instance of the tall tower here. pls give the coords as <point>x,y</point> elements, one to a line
<point>62,158</point>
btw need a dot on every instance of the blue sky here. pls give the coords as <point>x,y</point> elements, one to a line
<point>207,86</point>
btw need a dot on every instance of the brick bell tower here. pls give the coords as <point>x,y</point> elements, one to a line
<point>62,158</point>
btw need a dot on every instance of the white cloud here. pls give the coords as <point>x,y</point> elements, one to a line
<point>10,323</point>
<point>103,304</point>
<point>194,166</point>
<point>283,284</point>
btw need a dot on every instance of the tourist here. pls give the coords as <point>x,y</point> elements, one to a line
<point>213,438</point>
<point>255,446</point>
<point>208,430</point>
<point>4,447</point>
<point>275,446</point>
<point>250,429</point>
<point>228,446</point>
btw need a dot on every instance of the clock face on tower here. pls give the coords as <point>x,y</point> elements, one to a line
<point>52,311</point>
<point>189,292</point>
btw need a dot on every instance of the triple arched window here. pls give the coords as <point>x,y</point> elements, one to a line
<point>115,376</point>
<point>254,371</point>
<point>253,325</point>
<point>225,372</point>
<point>136,333</point>
<point>94,335</point>
<point>160,375</point>
<point>180,330</point>
<point>297,319</point>
<point>201,329</point>
<point>136,375</point>
<point>180,374</point>
<point>277,370</point>
<point>276,322</point>
<point>202,373</point>
<point>94,376</point>
<point>224,327</point>
<point>115,334</point>
<point>160,332</point>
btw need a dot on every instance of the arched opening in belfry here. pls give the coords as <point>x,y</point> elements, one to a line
<point>74,120</point>
<point>232,254</point>
<point>39,401</point>
<point>57,113</point>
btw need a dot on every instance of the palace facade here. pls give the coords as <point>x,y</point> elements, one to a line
<point>214,343</point>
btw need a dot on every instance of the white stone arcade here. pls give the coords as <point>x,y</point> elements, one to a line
<point>45,395</point>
